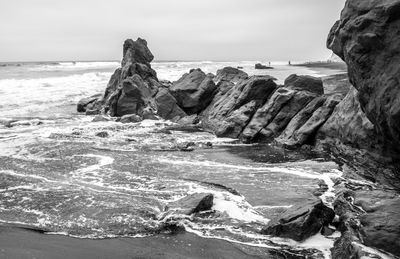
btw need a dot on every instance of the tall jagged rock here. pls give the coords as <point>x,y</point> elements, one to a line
<point>367,38</point>
<point>135,89</point>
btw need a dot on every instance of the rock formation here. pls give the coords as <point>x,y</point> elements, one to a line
<point>301,222</point>
<point>134,88</point>
<point>194,91</point>
<point>366,37</point>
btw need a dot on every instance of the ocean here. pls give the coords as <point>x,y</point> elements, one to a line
<point>58,174</point>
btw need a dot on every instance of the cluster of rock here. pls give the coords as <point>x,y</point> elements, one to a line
<point>230,103</point>
<point>299,112</point>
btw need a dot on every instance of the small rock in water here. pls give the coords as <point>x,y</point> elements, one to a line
<point>92,112</point>
<point>301,222</point>
<point>99,117</point>
<point>130,118</point>
<point>261,66</point>
<point>102,134</point>
<point>193,203</point>
<point>188,146</point>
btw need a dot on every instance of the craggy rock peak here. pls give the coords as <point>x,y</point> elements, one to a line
<point>134,89</point>
<point>367,38</point>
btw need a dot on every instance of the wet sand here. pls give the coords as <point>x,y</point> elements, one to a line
<point>21,243</point>
<point>326,65</point>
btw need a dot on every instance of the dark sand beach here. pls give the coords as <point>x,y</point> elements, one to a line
<point>22,243</point>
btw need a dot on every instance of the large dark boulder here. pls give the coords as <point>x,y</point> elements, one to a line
<point>230,74</point>
<point>134,88</point>
<point>194,91</point>
<point>367,38</point>
<point>272,118</point>
<point>307,83</point>
<point>301,222</point>
<point>230,112</point>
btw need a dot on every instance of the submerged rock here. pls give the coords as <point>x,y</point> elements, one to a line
<point>301,222</point>
<point>193,203</point>
<point>102,134</point>
<point>99,118</point>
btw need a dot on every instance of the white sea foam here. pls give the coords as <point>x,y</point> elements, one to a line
<point>27,97</point>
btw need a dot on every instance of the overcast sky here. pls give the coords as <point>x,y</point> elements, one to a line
<point>33,30</point>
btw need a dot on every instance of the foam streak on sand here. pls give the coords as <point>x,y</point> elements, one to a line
<point>103,161</point>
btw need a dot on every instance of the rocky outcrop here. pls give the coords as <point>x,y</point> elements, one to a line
<point>134,88</point>
<point>229,113</point>
<point>261,66</point>
<point>230,74</point>
<point>273,117</point>
<point>304,127</point>
<point>301,222</point>
<point>194,91</point>
<point>366,37</point>
<point>350,125</point>
<point>305,83</point>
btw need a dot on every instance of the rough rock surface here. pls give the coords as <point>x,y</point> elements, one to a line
<point>229,113</point>
<point>301,222</point>
<point>349,124</point>
<point>366,37</point>
<point>194,91</point>
<point>380,226</point>
<point>274,116</point>
<point>230,74</point>
<point>306,83</point>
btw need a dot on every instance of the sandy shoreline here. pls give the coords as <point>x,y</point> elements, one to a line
<point>21,243</point>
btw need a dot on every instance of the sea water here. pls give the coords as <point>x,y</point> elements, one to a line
<point>57,175</point>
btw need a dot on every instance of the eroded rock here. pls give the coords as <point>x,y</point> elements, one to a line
<point>301,222</point>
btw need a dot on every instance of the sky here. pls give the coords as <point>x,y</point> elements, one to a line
<point>220,30</point>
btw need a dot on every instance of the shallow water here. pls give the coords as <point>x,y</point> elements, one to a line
<point>56,174</point>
